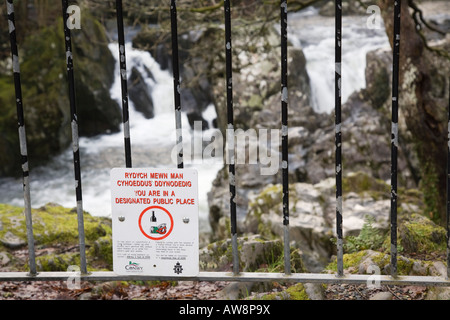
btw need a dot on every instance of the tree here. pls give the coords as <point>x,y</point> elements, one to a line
<point>423,101</point>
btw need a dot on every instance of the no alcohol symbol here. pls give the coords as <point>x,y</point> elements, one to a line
<point>155,222</point>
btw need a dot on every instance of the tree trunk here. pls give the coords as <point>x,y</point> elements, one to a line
<point>423,106</point>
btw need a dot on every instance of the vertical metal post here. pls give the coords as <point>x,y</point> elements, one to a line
<point>75,144</point>
<point>124,85</point>
<point>394,135</point>
<point>176,83</point>
<point>230,135</point>
<point>448,189</point>
<point>22,136</point>
<point>338,134</point>
<point>284,135</point>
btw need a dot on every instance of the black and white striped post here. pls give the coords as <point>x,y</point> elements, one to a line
<point>124,84</point>
<point>22,136</point>
<point>394,135</point>
<point>75,142</point>
<point>284,134</point>
<point>338,134</point>
<point>448,189</point>
<point>176,83</point>
<point>230,136</point>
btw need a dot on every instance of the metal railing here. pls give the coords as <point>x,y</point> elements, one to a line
<point>236,274</point>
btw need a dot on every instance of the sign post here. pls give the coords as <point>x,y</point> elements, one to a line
<point>155,221</point>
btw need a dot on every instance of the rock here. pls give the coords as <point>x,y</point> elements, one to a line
<point>419,269</point>
<point>312,214</point>
<point>382,296</point>
<point>55,231</point>
<point>314,291</point>
<point>195,88</point>
<point>236,290</point>
<point>438,293</point>
<point>140,93</point>
<point>12,241</point>
<point>378,78</point>
<point>365,147</point>
<point>438,269</point>
<point>94,67</point>
<point>254,253</point>
<point>418,234</point>
<point>45,91</point>
<point>196,121</point>
<point>4,258</point>
<point>298,291</point>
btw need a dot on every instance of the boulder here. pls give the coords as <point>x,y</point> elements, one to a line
<point>139,93</point>
<point>255,253</point>
<point>195,88</point>
<point>45,92</point>
<point>56,238</point>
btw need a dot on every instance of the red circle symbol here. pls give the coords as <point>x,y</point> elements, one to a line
<point>160,208</point>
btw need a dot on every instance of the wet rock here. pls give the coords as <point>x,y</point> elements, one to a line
<point>140,94</point>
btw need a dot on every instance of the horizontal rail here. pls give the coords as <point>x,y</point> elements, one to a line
<point>230,276</point>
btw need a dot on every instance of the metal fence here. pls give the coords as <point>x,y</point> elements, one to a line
<point>236,274</point>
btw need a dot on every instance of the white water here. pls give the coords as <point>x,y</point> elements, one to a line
<point>153,139</point>
<point>315,35</point>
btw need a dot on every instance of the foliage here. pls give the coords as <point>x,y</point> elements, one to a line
<point>429,187</point>
<point>369,238</point>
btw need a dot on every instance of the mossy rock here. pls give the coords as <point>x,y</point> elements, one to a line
<point>45,93</point>
<point>55,231</point>
<point>360,182</point>
<point>294,292</point>
<point>255,253</point>
<point>359,262</point>
<point>418,234</point>
<point>57,262</point>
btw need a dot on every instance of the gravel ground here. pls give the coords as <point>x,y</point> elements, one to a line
<point>184,290</point>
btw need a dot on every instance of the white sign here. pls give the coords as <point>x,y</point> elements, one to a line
<point>155,221</point>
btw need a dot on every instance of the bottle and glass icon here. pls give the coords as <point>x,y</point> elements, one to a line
<point>154,227</point>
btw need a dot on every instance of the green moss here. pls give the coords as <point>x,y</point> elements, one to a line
<point>294,292</point>
<point>429,186</point>
<point>102,251</point>
<point>349,260</point>
<point>268,198</point>
<point>275,263</point>
<point>361,182</point>
<point>418,234</point>
<point>255,101</point>
<point>56,228</point>
<point>57,262</point>
<point>297,292</point>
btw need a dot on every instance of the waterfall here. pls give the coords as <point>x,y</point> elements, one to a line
<point>315,35</point>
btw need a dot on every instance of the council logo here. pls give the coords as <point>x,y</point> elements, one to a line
<point>133,266</point>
